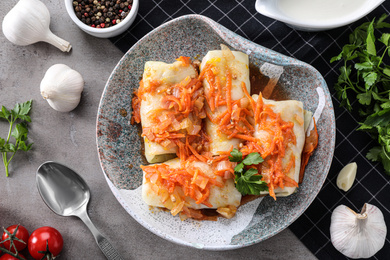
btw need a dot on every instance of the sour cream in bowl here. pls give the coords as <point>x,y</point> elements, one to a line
<point>316,15</point>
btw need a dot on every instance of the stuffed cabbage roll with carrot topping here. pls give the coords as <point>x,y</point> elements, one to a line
<point>279,137</point>
<point>187,187</point>
<point>170,106</point>
<point>225,76</point>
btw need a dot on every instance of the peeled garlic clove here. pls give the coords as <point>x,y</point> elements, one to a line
<point>358,235</point>
<point>61,87</point>
<point>347,176</point>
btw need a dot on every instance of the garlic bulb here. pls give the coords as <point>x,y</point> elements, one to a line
<point>358,235</point>
<point>347,176</point>
<point>61,87</point>
<point>28,22</point>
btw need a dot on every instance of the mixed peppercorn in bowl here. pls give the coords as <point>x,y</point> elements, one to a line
<point>102,18</point>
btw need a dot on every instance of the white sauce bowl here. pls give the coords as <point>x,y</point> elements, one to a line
<point>316,15</point>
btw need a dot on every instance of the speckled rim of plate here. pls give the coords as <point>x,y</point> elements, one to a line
<point>119,144</point>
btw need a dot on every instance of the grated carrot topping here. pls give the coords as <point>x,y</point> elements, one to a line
<point>189,179</point>
<point>220,95</point>
<point>229,90</point>
<point>185,60</point>
<point>273,148</point>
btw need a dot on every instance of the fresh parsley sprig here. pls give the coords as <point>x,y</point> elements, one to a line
<point>248,181</point>
<point>365,76</point>
<point>18,130</point>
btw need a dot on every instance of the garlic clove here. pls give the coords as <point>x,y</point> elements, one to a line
<point>28,22</point>
<point>347,176</point>
<point>61,87</point>
<point>358,235</point>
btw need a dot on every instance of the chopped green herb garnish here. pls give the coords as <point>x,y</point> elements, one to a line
<point>247,181</point>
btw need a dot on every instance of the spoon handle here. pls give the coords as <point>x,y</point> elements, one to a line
<point>105,246</point>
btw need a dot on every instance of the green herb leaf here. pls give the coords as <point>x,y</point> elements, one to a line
<point>374,153</point>
<point>386,71</point>
<point>364,66</point>
<point>239,167</point>
<point>364,98</point>
<point>371,39</point>
<point>5,112</point>
<point>247,181</point>
<point>236,155</point>
<point>250,183</point>
<point>365,76</point>
<point>253,158</point>
<point>17,130</point>
<point>385,39</point>
<point>381,118</point>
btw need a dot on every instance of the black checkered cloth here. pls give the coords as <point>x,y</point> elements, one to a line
<point>372,184</point>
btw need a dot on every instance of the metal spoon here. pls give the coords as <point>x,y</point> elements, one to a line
<point>67,194</point>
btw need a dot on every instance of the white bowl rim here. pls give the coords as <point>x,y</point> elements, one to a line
<point>321,25</point>
<point>72,14</point>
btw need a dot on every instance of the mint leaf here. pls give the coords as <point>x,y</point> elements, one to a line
<point>253,158</point>
<point>236,155</point>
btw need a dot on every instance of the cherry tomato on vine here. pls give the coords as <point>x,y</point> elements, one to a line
<point>45,243</point>
<point>21,234</point>
<point>10,257</point>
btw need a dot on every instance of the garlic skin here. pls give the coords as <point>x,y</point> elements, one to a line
<point>28,22</point>
<point>347,176</point>
<point>358,235</point>
<point>61,87</point>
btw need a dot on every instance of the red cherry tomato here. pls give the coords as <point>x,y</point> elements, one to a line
<point>10,257</point>
<point>47,240</point>
<point>21,233</point>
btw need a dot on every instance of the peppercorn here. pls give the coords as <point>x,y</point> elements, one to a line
<point>101,13</point>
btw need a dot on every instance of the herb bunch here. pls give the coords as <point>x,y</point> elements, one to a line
<point>17,119</point>
<point>248,181</point>
<point>366,77</point>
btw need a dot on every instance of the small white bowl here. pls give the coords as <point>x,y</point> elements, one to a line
<point>104,32</point>
<point>273,9</point>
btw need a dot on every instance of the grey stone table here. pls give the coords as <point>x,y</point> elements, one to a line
<point>69,138</point>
